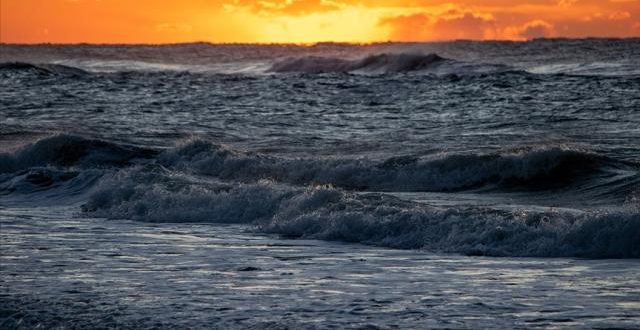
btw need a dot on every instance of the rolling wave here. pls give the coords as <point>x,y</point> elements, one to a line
<point>537,168</point>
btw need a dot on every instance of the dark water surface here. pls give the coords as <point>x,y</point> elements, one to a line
<point>466,148</point>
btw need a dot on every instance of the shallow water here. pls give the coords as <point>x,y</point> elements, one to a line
<point>91,273</point>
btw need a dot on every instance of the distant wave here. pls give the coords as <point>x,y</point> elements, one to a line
<point>386,63</point>
<point>590,57</point>
<point>382,63</point>
<point>43,69</point>
<point>331,214</point>
<point>373,64</point>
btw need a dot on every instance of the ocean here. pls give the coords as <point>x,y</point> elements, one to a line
<point>453,185</point>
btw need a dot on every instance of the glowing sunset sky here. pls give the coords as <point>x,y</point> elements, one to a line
<point>157,21</point>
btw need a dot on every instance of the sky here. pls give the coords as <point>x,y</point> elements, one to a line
<point>309,21</point>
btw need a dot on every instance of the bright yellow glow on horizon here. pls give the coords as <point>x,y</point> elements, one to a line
<point>308,21</point>
<point>354,26</point>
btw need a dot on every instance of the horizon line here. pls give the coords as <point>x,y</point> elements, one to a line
<point>307,44</point>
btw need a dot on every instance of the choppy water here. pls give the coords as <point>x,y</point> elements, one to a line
<point>467,148</point>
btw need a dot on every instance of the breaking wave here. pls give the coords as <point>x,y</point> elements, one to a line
<point>323,212</point>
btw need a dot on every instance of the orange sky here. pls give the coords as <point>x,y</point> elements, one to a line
<point>305,21</point>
